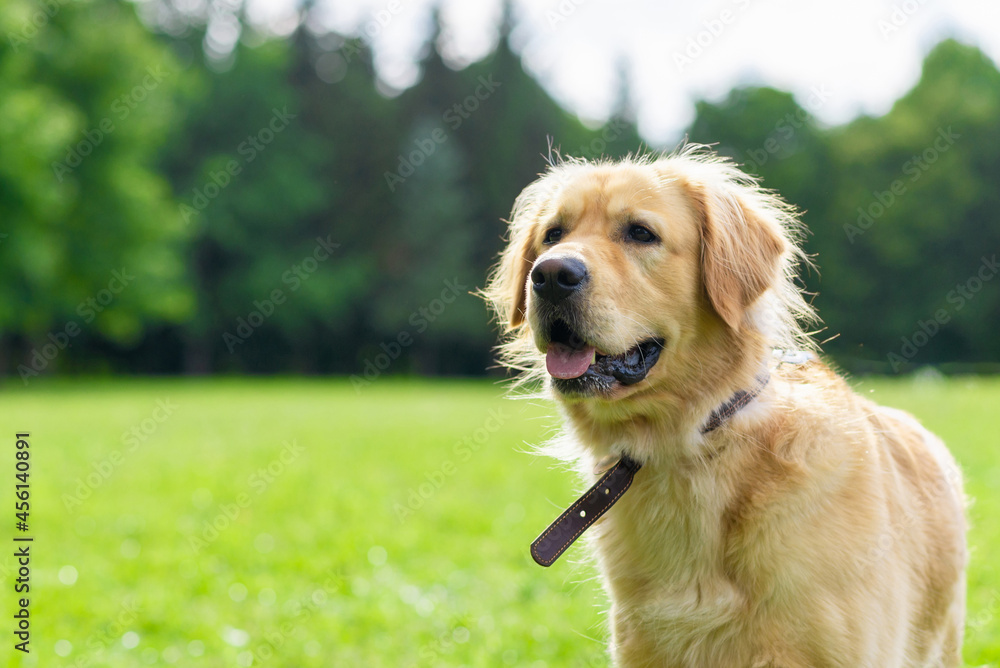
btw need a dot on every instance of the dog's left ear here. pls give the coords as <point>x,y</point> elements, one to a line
<point>742,246</point>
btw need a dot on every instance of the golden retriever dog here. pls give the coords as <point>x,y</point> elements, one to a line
<point>775,518</point>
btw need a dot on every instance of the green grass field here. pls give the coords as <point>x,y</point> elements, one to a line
<point>298,523</point>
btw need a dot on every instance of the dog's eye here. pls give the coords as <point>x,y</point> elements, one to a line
<point>640,234</point>
<point>553,235</point>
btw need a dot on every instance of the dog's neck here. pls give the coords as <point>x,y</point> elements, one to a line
<point>669,528</point>
<point>662,424</point>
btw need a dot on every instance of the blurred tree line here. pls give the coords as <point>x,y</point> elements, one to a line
<point>181,194</point>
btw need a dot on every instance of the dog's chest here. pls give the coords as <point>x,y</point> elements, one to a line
<point>663,554</point>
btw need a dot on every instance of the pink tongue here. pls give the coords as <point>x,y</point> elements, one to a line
<point>565,362</point>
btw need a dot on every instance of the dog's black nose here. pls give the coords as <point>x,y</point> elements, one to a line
<point>557,278</point>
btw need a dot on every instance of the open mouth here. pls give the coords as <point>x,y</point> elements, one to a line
<point>576,365</point>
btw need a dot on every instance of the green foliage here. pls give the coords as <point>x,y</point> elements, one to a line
<point>411,190</point>
<point>87,97</point>
<point>281,210</point>
<point>245,169</point>
<point>938,148</point>
<point>481,134</point>
<point>901,209</point>
<point>375,542</point>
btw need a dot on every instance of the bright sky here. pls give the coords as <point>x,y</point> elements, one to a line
<point>862,54</point>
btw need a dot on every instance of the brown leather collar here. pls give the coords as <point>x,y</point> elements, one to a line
<point>597,500</point>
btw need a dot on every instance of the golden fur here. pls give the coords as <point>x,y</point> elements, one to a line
<point>814,528</point>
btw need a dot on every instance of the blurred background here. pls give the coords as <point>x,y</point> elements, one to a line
<point>353,161</point>
<point>237,244</point>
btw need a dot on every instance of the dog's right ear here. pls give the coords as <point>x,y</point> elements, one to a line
<point>507,288</point>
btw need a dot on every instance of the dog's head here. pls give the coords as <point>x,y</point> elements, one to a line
<point>618,274</point>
